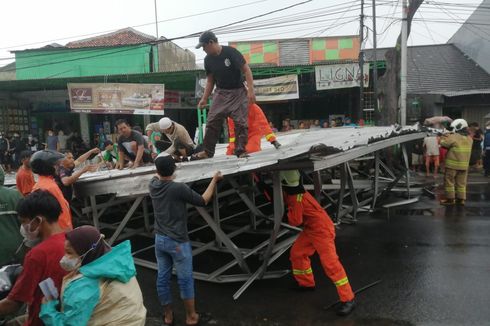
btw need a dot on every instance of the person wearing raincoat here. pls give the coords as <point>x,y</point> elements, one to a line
<point>100,288</point>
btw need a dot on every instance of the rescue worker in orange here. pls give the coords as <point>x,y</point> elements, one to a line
<point>258,127</point>
<point>318,235</point>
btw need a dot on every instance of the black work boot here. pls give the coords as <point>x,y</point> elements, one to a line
<point>447,202</point>
<point>276,144</point>
<point>345,308</point>
<point>460,202</point>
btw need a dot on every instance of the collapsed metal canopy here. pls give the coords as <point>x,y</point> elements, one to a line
<point>314,150</point>
<point>296,145</point>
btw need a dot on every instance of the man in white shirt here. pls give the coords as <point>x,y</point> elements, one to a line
<point>431,147</point>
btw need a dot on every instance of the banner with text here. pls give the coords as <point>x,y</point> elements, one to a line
<point>277,88</point>
<point>340,76</point>
<point>180,99</point>
<point>109,98</point>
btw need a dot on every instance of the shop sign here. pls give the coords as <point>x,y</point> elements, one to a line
<point>266,90</point>
<point>276,88</point>
<point>340,76</point>
<point>108,98</point>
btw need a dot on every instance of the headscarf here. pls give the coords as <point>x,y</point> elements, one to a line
<point>87,240</point>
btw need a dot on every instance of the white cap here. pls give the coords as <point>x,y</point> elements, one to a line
<point>165,123</point>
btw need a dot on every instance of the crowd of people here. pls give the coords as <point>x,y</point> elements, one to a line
<point>288,125</point>
<point>72,276</point>
<point>431,154</point>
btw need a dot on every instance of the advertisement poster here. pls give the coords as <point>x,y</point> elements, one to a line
<point>106,98</point>
<point>277,88</point>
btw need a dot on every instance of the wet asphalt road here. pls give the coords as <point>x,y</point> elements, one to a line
<point>434,263</point>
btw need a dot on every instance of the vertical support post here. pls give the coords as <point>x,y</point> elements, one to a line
<point>341,192</point>
<point>375,69</point>
<point>317,182</point>
<point>216,217</point>
<point>404,65</point>
<point>407,169</point>
<point>146,215</point>
<point>251,194</point>
<point>352,190</point>
<point>95,216</point>
<point>376,180</point>
<point>361,64</point>
<point>278,214</point>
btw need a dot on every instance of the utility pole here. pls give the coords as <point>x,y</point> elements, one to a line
<point>403,69</point>
<point>375,70</point>
<point>156,17</point>
<point>361,64</point>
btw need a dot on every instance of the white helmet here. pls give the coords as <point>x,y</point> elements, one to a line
<point>165,123</point>
<point>459,124</point>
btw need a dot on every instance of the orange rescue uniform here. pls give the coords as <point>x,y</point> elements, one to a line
<point>258,126</point>
<point>318,235</point>
<point>48,183</point>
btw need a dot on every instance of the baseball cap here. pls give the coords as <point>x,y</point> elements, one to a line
<point>165,164</point>
<point>205,38</point>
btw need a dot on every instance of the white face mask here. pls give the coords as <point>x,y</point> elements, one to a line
<point>31,238</point>
<point>69,264</point>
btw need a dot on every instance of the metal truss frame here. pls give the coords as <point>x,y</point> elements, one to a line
<point>281,236</point>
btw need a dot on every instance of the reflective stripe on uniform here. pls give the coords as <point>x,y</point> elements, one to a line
<point>461,189</point>
<point>457,164</point>
<point>449,189</point>
<point>342,281</point>
<point>299,198</point>
<point>232,139</point>
<point>269,136</point>
<point>302,271</point>
<point>8,213</point>
<point>461,149</point>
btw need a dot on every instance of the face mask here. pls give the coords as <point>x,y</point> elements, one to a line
<point>70,263</point>
<point>25,230</point>
<point>31,238</point>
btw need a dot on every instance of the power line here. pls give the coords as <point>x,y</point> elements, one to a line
<point>160,41</point>
<point>135,26</point>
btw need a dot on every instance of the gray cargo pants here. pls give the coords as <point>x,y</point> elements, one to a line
<point>227,103</point>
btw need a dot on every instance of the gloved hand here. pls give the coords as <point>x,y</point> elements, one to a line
<point>276,144</point>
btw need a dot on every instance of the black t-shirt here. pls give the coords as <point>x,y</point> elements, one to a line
<point>66,190</point>
<point>226,68</point>
<point>125,142</point>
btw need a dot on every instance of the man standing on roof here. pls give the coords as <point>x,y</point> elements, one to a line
<point>258,127</point>
<point>225,67</point>
<point>180,145</point>
<point>318,235</point>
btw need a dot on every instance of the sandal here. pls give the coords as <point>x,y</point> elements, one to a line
<point>204,318</point>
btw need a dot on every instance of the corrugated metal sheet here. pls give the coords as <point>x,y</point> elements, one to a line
<point>294,144</point>
<point>294,52</point>
<point>465,92</point>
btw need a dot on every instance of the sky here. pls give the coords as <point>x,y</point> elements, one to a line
<point>27,24</point>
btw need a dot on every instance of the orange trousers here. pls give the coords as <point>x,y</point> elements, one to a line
<point>324,244</point>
